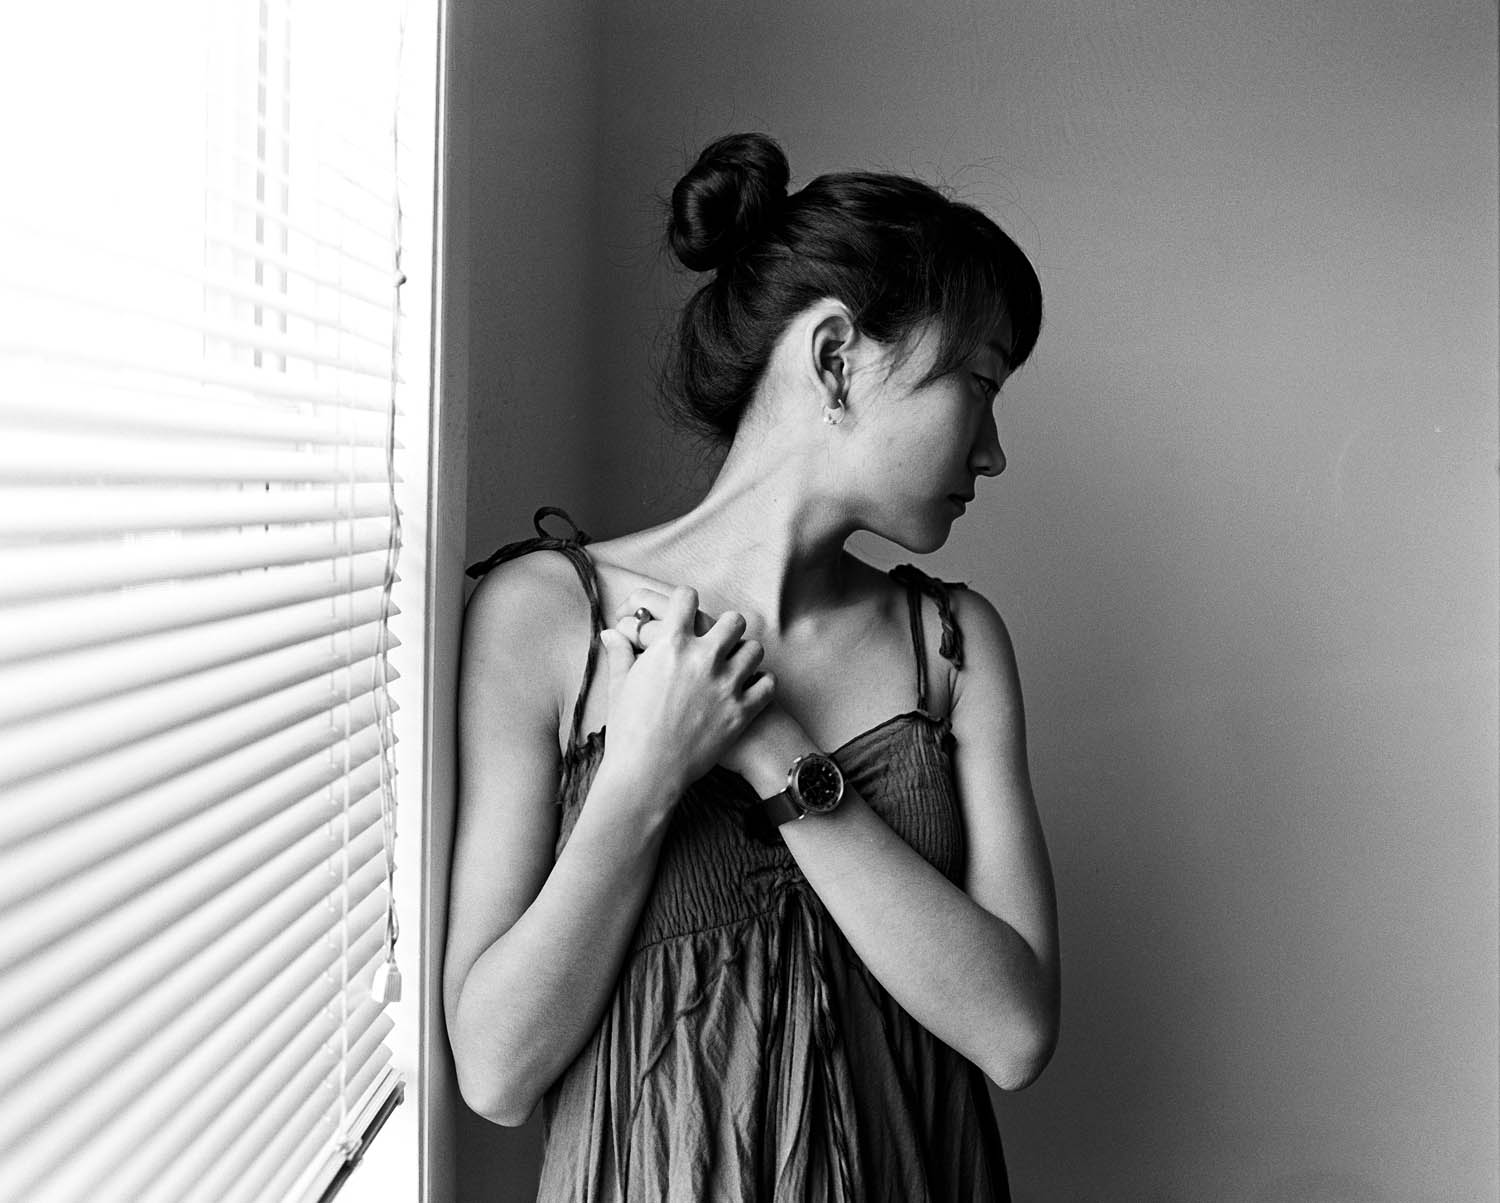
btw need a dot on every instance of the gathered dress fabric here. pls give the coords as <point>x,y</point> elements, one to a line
<point>746,1054</point>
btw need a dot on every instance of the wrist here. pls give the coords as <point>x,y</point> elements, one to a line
<point>772,752</point>
<point>648,791</point>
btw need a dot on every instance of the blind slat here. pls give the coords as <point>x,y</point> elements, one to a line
<point>70,248</point>
<point>322,1146</point>
<point>309,238</point>
<point>302,1135</point>
<point>27,867</point>
<point>160,875</point>
<point>239,968</point>
<point>43,456</point>
<point>41,300</point>
<point>80,679</point>
<point>277,304</point>
<point>158,758</point>
<point>188,410</point>
<point>303,270</point>
<point>49,357</point>
<point>39,629</point>
<point>175,771</point>
<point>49,513</point>
<point>207,944</point>
<point>131,953</point>
<point>118,1110</point>
<point>381,201</point>
<point>167,897</point>
<point>384,1091</point>
<point>82,568</point>
<point>192,1164</point>
<point>299,676</point>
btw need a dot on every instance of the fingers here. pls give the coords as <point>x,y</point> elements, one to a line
<point>639,611</point>
<point>757,695</point>
<point>633,627</point>
<point>742,656</point>
<point>724,637</point>
<point>620,653</point>
<point>681,610</point>
<point>657,602</point>
<point>655,615</point>
<point>666,613</point>
<point>654,600</point>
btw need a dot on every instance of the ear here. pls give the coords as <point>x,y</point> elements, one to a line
<point>832,345</point>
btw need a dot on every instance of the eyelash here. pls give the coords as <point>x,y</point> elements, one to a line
<point>990,388</point>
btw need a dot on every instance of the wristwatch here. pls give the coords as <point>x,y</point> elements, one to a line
<point>814,786</point>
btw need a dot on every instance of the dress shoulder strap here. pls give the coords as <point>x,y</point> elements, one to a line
<point>951,646</point>
<point>570,545</point>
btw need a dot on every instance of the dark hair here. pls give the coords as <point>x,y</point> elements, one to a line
<point>896,251</point>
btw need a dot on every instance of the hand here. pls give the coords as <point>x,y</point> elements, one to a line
<point>678,704</point>
<point>770,740</point>
<point>654,599</point>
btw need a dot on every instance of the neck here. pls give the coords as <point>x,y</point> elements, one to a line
<point>788,534</point>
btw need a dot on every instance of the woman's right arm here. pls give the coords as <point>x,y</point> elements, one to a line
<point>534,947</point>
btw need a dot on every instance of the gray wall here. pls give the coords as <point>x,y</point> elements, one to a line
<point>533,354</point>
<point>527,133</point>
<point>1246,544</point>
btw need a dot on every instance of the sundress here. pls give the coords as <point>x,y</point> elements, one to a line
<point>746,1054</point>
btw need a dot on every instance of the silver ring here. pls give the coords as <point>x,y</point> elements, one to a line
<point>642,616</point>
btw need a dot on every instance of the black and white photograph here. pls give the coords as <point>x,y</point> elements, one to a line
<point>627,601</point>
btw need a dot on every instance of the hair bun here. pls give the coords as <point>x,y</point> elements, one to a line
<point>726,199</point>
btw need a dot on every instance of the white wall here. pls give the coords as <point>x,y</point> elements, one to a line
<point>1246,544</point>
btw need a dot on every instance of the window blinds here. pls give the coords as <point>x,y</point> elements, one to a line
<point>198,538</point>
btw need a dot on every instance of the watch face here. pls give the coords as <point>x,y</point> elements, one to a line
<point>820,785</point>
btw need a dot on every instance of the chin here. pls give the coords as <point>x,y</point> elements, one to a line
<point>919,539</point>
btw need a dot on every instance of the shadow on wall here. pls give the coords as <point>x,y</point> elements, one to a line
<point>499,1165</point>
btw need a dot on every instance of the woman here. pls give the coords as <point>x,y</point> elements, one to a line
<point>765,938</point>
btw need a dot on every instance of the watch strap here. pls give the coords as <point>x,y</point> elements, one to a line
<point>781,808</point>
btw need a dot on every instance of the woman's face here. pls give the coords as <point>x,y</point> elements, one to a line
<point>921,447</point>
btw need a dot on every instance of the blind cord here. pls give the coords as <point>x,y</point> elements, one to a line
<point>385,987</point>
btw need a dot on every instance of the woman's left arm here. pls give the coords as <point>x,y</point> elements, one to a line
<point>977,966</point>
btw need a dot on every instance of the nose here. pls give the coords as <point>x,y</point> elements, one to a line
<point>988,457</point>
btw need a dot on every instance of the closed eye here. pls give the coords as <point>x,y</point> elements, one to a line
<point>987,386</point>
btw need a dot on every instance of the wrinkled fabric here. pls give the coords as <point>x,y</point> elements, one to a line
<point>747,1054</point>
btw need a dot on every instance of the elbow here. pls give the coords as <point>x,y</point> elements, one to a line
<point>510,1115</point>
<point>507,1099</point>
<point>498,1102</point>
<point>491,1083</point>
<point>1023,1054</point>
<point>1018,1070</point>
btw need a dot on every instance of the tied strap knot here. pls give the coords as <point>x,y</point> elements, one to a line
<point>541,541</point>
<point>951,647</point>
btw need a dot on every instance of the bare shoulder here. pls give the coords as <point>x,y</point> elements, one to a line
<point>987,692</point>
<point>525,591</point>
<point>984,631</point>
<point>525,626</point>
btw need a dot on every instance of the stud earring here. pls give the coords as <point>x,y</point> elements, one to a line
<point>834,414</point>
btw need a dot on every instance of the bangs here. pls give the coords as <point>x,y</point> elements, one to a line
<point>982,278</point>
